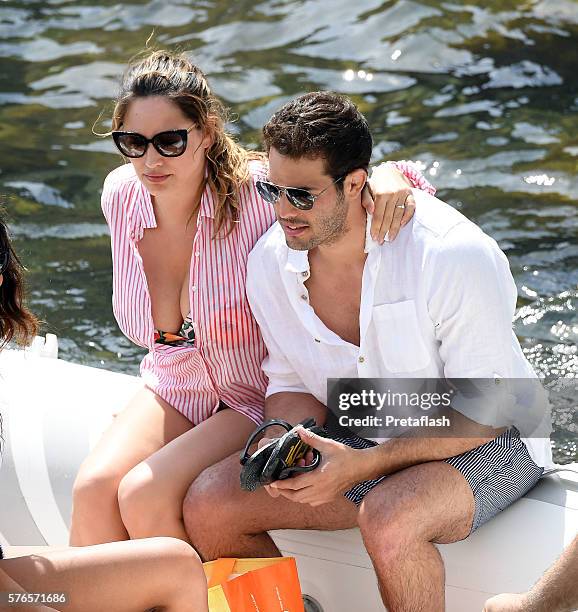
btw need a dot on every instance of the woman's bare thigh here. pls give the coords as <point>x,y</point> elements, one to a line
<point>174,466</point>
<point>122,576</point>
<point>142,428</point>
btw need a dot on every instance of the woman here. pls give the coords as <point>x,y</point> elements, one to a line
<point>183,216</point>
<point>121,576</point>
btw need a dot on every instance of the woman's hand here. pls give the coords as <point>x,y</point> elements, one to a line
<point>392,204</point>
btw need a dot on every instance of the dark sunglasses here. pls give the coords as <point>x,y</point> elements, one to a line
<point>302,199</point>
<point>171,143</point>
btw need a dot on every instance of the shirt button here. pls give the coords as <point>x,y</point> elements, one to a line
<point>197,254</point>
<point>317,340</point>
<point>361,359</point>
<point>194,288</point>
<point>304,297</point>
<point>304,273</point>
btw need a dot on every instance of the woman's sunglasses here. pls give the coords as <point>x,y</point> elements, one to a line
<point>171,143</point>
<point>302,199</point>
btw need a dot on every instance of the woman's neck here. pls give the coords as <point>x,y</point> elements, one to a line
<point>177,209</point>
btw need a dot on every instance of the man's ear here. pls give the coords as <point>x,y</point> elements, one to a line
<point>354,183</point>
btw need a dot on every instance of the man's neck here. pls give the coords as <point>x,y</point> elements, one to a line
<point>349,249</point>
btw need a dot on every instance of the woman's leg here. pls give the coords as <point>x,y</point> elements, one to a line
<point>151,495</point>
<point>144,426</point>
<point>120,576</point>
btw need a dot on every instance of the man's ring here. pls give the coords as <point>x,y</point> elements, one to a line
<point>400,205</point>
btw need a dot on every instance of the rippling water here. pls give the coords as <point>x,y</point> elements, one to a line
<point>484,94</point>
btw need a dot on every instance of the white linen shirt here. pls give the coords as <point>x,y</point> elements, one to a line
<point>437,302</point>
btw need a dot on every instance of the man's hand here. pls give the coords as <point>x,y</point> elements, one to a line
<point>392,203</point>
<point>337,472</point>
<point>508,602</point>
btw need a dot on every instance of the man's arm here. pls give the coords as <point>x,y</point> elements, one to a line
<point>471,301</point>
<point>292,407</point>
<point>556,591</point>
<point>287,397</point>
<point>399,453</point>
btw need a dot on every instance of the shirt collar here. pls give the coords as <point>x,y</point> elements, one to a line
<point>141,213</point>
<point>207,207</point>
<point>298,261</point>
<point>147,211</point>
<point>370,243</point>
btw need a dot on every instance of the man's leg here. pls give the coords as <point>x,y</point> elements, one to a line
<point>401,518</point>
<point>433,502</point>
<point>222,520</point>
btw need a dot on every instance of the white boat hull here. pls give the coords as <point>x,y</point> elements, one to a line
<point>58,410</point>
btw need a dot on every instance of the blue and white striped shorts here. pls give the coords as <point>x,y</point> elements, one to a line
<point>498,472</point>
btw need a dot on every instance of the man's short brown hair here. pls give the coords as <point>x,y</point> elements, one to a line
<point>325,125</point>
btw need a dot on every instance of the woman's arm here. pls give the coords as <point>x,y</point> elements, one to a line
<point>392,204</point>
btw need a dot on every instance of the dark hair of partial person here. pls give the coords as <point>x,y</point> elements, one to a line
<point>16,321</point>
<point>175,77</point>
<point>322,124</point>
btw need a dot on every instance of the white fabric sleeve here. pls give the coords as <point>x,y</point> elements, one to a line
<point>471,301</point>
<point>281,375</point>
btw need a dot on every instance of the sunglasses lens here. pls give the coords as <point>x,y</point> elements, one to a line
<point>301,198</point>
<point>170,144</point>
<point>131,145</point>
<point>270,193</point>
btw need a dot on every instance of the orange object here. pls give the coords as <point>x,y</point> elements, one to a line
<point>254,585</point>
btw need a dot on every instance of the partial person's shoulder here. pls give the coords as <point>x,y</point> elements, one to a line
<point>118,186</point>
<point>256,215</point>
<point>434,217</point>
<point>120,176</point>
<point>455,240</point>
<point>441,236</point>
<point>258,168</point>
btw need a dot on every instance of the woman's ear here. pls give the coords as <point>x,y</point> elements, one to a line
<point>209,134</point>
<point>355,182</point>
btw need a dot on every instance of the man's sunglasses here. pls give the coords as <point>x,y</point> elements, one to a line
<point>302,199</point>
<point>171,143</point>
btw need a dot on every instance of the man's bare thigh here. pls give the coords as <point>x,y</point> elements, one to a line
<point>256,512</point>
<point>433,499</point>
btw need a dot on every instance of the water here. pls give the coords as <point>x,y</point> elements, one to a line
<point>483,93</point>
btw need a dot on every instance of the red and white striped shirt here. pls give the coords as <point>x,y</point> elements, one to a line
<point>224,365</point>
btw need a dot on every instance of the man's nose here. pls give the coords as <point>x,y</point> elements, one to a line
<point>284,207</point>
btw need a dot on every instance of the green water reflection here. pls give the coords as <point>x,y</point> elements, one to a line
<point>484,94</point>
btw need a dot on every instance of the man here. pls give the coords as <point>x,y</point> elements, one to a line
<point>331,304</point>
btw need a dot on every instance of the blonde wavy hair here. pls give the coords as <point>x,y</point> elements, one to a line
<point>174,76</point>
